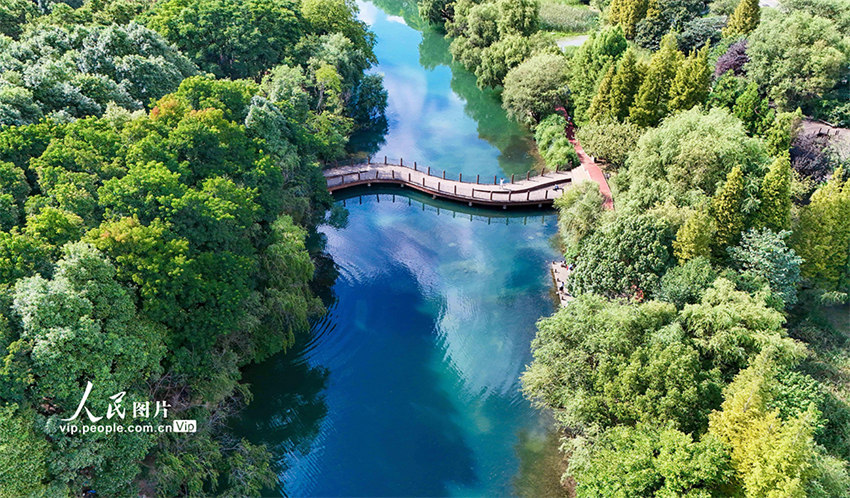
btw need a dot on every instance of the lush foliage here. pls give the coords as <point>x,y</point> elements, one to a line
<point>153,224</point>
<point>672,371</point>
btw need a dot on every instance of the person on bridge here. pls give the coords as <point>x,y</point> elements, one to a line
<point>502,182</point>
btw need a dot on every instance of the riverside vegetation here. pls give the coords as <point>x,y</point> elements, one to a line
<point>159,172</point>
<point>706,351</point>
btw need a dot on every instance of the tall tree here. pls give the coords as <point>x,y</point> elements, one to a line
<point>754,110</point>
<point>626,83</point>
<point>693,239</point>
<point>651,102</point>
<point>797,58</point>
<point>764,254</point>
<point>727,210</point>
<point>744,19</point>
<point>692,82</point>
<point>823,235</point>
<point>589,65</point>
<point>771,456</point>
<point>535,88</point>
<point>627,13</point>
<point>775,196</point>
<point>600,106</point>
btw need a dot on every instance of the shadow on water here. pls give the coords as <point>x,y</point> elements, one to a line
<point>439,207</point>
<point>408,385</point>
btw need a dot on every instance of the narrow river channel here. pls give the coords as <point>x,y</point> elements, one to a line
<point>409,386</point>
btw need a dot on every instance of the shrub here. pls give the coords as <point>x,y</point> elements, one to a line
<point>553,145</point>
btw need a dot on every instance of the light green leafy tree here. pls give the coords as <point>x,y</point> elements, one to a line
<point>652,100</point>
<point>535,88</point>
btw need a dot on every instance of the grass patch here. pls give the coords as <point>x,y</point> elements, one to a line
<point>569,18</point>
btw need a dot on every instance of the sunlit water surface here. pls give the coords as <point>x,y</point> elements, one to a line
<point>409,385</point>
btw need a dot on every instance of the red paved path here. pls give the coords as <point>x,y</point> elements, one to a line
<point>594,172</point>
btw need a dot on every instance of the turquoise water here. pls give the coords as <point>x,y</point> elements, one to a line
<point>409,386</point>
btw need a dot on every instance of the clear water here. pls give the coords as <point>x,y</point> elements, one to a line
<point>409,386</point>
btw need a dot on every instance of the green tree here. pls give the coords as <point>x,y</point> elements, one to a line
<point>23,453</point>
<point>771,456</point>
<point>686,158</point>
<point>552,142</point>
<point>14,15</point>
<point>764,254</point>
<point>652,99</point>
<point>691,84</point>
<point>774,210</point>
<point>744,19</point>
<point>686,283</point>
<point>822,237</point>
<point>694,237</point>
<point>754,110</point>
<point>517,17</point>
<point>626,84</point>
<point>796,58</point>
<point>596,364</point>
<point>339,16</point>
<point>782,132</point>
<point>648,461</point>
<point>228,37</point>
<point>624,258</point>
<point>730,327</point>
<point>436,11</point>
<point>609,141</point>
<point>627,14</point>
<point>589,65</point>
<point>579,213</point>
<point>501,57</point>
<point>535,88</point>
<point>601,105</point>
<point>727,210</point>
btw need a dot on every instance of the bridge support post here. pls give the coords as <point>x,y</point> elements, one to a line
<point>527,175</point>
<point>423,181</point>
<point>528,195</point>
<point>408,178</point>
<point>401,161</point>
<point>455,189</point>
<point>546,195</point>
<point>444,174</point>
<point>512,177</point>
<point>393,172</point>
<point>460,177</point>
<point>477,179</point>
<point>368,159</point>
<point>491,195</point>
<point>494,179</point>
<point>385,159</point>
<point>429,170</point>
<point>438,186</point>
<point>358,176</point>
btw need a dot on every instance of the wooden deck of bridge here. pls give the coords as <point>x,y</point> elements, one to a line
<point>526,190</point>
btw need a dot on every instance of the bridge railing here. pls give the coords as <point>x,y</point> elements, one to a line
<point>448,189</point>
<point>438,173</point>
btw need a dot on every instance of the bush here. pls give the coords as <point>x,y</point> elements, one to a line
<point>568,18</point>
<point>553,145</point>
<point>610,141</point>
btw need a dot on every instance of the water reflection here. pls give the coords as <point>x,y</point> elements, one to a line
<point>437,114</point>
<point>409,386</point>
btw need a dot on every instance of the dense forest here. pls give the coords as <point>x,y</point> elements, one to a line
<point>705,352</point>
<point>159,173</point>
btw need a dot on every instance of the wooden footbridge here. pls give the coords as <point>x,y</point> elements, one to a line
<point>527,190</point>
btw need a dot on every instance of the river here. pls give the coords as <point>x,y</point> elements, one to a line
<point>409,385</point>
